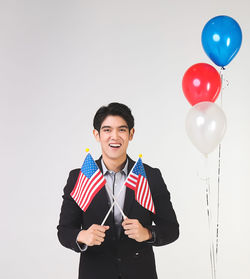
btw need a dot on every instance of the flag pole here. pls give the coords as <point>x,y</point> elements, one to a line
<point>113,203</point>
<point>105,218</point>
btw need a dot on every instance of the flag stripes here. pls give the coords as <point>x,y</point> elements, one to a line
<point>89,182</point>
<point>143,195</point>
<point>131,181</point>
<point>138,182</point>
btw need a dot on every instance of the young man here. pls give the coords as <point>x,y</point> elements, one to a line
<point>122,247</point>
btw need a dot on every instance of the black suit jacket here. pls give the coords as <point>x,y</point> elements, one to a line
<point>121,256</point>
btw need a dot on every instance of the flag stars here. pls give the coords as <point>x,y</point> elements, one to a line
<point>139,169</point>
<point>89,183</point>
<point>89,166</point>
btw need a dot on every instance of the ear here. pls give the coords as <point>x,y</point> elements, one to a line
<point>131,134</point>
<point>96,135</point>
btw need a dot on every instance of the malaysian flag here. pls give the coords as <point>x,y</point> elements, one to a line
<point>89,183</point>
<point>138,182</point>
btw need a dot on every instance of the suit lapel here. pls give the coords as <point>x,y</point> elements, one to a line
<point>99,164</point>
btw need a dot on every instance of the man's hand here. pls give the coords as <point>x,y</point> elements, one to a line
<point>94,235</point>
<point>134,229</point>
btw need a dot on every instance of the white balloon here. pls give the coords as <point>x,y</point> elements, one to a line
<point>206,126</point>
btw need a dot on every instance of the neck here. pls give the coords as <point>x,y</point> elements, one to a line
<point>114,164</point>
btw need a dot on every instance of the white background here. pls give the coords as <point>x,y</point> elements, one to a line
<point>59,62</point>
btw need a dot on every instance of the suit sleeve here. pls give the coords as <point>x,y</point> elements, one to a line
<point>70,221</point>
<point>165,228</point>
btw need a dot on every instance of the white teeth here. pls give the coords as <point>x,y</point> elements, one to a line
<point>115,145</point>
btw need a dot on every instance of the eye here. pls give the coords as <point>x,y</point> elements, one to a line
<point>123,129</point>
<point>106,130</point>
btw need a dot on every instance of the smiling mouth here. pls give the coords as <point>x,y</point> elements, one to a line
<point>115,145</point>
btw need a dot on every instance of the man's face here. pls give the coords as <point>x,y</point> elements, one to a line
<point>114,137</point>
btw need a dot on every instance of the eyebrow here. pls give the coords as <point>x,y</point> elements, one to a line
<point>123,126</point>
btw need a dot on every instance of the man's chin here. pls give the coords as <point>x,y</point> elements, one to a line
<point>116,156</point>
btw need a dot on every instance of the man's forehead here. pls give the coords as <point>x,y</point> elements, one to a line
<point>113,126</point>
<point>114,121</point>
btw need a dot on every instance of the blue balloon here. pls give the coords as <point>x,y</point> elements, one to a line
<point>221,39</point>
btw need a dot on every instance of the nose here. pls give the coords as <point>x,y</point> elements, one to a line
<point>115,134</point>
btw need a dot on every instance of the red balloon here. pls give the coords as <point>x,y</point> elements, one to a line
<point>201,83</point>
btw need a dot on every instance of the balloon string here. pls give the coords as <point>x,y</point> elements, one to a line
<point>206,179</point>
<point>209,225</point>
<point>209,214</point>
<point>218,203</point>
<point>219,166</point>
<point>222,84</point>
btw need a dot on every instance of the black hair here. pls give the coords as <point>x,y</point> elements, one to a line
<point>113,109</point>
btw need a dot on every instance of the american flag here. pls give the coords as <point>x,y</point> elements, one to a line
<point>89,183</point>
<point>138,182</point>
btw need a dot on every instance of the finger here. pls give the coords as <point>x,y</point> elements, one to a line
<point>127,220</point>
<point>130,221</point>
<point>97,242</point>
<point>130,232</point>
<point>132,236</point>
<point>129,227</point>
<point>99,239</point>
<point>101,228</point>
<point>125,223</point>
<point>99,234</point>
<point>95,239</point>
